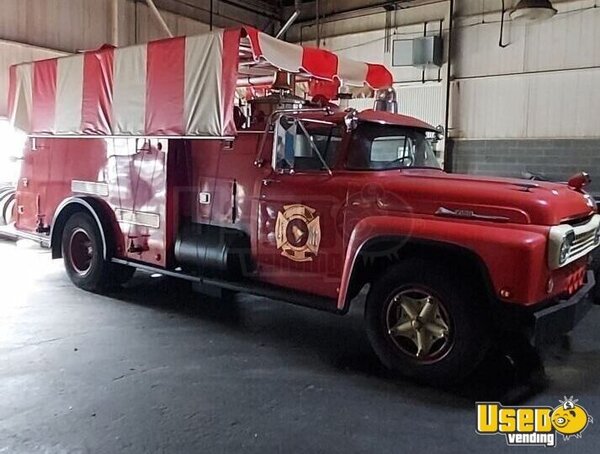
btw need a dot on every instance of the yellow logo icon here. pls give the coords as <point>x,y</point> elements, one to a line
<point>298,233</point>
<point>570,419</point>
<point>533,426</point>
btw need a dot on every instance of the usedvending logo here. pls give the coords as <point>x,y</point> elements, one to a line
<point>533,426</point>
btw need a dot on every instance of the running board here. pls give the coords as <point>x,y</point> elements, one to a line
<point>247,286</point>
<point>9,232</point>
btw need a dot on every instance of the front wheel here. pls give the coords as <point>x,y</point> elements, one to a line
<point>424,322</point>
<point>83,257</point>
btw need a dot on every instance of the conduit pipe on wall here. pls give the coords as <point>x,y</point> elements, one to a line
<point>159,18</point>
<point>448,149</point>
<point>291,20</point>
<point>114,23</point>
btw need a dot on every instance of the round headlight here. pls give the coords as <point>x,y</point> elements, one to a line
<point>565,247</point>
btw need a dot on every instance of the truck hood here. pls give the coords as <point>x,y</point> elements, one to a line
<point>486,198</point>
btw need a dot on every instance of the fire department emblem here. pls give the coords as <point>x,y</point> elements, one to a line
<point>298,233</point>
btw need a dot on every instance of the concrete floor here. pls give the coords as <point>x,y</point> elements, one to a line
<point>156,369</point>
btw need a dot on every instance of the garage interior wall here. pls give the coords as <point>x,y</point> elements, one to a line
<point>534,105</point>
<point>531,106</point>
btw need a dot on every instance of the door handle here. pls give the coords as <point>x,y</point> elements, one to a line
<point>268,181</point>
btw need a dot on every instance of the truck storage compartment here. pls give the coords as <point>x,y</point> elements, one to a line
<point>209,250</point>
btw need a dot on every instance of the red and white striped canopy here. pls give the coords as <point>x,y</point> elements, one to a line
<point>316,62</point>
<point>181,86</point>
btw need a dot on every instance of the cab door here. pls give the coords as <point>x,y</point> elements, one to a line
<point>300,222</point>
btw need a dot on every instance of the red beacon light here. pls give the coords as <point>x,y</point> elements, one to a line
<point>579,180</point>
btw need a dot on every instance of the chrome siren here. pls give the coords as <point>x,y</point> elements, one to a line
<point>386,100</point>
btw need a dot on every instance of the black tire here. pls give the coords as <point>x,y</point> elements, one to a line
<point>460,328</point>
<point>595,266</point>
<point>6,190</point>
<point>5,200</point>
<point>6,206</point>
<point>9,212</point>
<point>82,254</point>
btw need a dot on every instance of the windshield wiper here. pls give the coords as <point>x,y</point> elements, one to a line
<point>314,147</point>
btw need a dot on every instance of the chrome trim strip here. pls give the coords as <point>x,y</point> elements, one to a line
<point>468,214</point>
<point>140,218</point>
<point>89,187</point>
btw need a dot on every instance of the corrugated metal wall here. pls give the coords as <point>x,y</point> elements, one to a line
<point>545,84</point>
<point>147,28</point>
<point>425,102</point>
<point>68,25</point>
<point>72,25</point>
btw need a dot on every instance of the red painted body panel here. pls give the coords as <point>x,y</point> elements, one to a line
<point>204,163</point>
<point>236,169</point>
<point>514,255</point>
<point>323,193</point>
<point>46,176</point>
<point>135,175</point>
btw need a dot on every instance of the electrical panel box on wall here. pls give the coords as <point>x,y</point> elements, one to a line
<point>427,52</point>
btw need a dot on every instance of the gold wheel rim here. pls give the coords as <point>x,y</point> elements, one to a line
<point>418,325</point>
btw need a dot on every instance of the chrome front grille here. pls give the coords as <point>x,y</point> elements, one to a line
<point>584,237</point>
<point>582,242</point>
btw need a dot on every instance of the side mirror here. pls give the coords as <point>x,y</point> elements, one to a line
<point>351,120</point>
<point>440,132</point>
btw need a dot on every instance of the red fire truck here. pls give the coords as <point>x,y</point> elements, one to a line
<point>141,158</point>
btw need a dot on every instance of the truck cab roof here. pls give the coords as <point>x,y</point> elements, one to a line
<point>371,116</point>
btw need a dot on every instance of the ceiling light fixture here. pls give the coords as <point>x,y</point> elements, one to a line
<point>533,10</point>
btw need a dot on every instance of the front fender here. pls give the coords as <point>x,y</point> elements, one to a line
<point>513,255</point>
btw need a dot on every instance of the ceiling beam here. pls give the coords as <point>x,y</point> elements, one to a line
<point>330,10</point>
<point>225,13</point>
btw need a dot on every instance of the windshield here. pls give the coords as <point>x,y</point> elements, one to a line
<point>380,147</point>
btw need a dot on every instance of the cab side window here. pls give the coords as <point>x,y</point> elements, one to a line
<point>295,149</point>
<point>396,149</point>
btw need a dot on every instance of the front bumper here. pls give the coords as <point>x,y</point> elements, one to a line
<point>553,321</point>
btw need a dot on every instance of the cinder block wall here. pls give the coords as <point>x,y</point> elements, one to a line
<point>557,159</point>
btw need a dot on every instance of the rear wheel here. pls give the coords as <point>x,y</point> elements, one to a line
<point>9,212</point>
<point>425,322</point>
<point>6,203</point>
<point>83,255</point>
